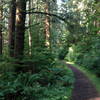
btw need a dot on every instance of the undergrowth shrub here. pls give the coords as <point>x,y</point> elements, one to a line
<point>38,77</point>
<point>49,84</point>
<point>40,58</point>
<point>7,64</point>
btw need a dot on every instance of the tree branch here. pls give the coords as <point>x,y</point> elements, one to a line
<point>50,14</point>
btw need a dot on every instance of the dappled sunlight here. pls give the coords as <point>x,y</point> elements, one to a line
<point>70,62</point>
<point>96,98</point>
<point>17,15</point>
<point>81,6</point>
<point>71,49</point>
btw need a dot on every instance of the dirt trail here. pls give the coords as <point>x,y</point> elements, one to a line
<point>83,88</point>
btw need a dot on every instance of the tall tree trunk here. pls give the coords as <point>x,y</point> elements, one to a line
<point>47,24</point>
<point>20,28</point>
<point>12,18</point>
<point>30,29</point>
<point>1,16</point>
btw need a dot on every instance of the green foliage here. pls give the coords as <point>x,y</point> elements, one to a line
<point>87,53</point>
<point>7,64</point>
<point>41,58</point>
<point>49,84</point>
<point>6,67</point>
<point>45,78</point>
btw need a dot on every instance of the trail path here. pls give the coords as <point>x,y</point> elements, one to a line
<point>83,88</point>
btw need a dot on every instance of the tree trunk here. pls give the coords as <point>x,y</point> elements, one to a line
<point>12,18</point>
<point>1,15</point>
<point>47,25</point>
<point>20,28</point>
<point>30,29</point>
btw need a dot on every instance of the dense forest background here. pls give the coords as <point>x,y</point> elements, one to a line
<point>35,35</point>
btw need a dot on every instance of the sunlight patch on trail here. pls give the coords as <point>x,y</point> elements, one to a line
<point>97,98</point>
<point>70,62</point>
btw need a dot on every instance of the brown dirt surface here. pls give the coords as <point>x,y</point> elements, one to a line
<point>83,88</point>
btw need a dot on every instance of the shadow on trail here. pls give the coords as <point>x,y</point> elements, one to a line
<point>83,88</point>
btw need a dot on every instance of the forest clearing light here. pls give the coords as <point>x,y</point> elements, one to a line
<point>59,2</point>
<point>71,49</point>
<point>74,2</point>
<point>81,5</point>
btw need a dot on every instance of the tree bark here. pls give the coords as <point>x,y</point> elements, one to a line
<point>20,28</point>
<point>12,18</point>
<point>30,29</point>
<point>47,25</point>
<point>1,16</point>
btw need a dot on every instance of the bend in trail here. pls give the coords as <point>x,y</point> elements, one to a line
<point>83,88</point>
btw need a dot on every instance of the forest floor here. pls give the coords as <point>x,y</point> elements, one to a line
<point>83,87</point>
